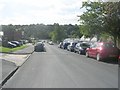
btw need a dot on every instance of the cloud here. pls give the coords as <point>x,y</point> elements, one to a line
<point>39,11</point>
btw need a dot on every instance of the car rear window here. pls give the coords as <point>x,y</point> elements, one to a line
<point>73,44</point>
<point>108,45</point>
<point>84,45</point>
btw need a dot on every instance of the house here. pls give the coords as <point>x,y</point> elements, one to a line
<point>1,34</point>
<point>11,35</point>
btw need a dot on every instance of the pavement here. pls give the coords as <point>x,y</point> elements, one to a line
<point>9,63</point>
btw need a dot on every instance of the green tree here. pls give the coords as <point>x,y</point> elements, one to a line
<point>112,20</point>
<point>91,20</point>
<point>58,34</point>
<point>101,18</point>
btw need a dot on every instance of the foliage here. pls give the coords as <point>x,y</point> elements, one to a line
<point>99,18</point>
<point>5,49</point>
<point>112,19</point>
<point>55,32</point>
<point>91,19</point>
<point>58,34</point>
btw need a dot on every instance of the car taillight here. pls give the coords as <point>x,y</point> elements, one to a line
<point>87,49</point>
<point>100,48</point>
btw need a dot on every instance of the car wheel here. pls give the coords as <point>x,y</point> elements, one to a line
<point>35,49</point>
<point>87,55</point>
<point>79,52</point>
<point>98,57</point>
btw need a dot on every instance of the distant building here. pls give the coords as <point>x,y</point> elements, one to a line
<point>1,34</point>
<point>11,35</point>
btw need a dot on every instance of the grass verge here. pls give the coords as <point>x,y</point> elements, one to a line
<point>4,49</point>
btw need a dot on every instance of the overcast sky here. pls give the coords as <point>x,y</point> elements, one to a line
<point>40,11</point>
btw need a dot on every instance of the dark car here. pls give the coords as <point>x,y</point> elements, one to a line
<point>16,42</point>
<point>81,47</point>
<point>102,50</point>
<point>65,44</point>
<point>11,45</point>
<point>39,47</point>
<point>71,46</point>
<point>21,42</point>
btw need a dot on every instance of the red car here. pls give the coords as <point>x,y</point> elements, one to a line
<point>102,50</point>
<point>119,57</point>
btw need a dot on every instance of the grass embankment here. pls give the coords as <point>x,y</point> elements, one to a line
<point>5,49</point>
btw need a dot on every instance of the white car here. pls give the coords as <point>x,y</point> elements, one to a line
<point>51,43</point>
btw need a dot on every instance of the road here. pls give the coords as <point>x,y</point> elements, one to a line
<point>58,68</point>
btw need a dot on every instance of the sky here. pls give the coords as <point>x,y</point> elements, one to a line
<point>40,11</point>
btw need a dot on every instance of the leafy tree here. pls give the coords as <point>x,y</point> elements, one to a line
<point>91,20</point>
<point>71,31</point>
<point>57,34</point>
<point>101,18</point>
<point>112,19</point>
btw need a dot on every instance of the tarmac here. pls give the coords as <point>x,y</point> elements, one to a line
<point>10,62</point>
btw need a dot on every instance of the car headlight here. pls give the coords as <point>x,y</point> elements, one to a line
<point>81,48</point>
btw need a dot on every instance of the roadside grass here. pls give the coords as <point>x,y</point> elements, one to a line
<point>5,49</point>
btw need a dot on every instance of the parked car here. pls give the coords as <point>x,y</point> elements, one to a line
<point>119,57</point>
<point>11,45</point>
<point>71,46</point>
<point>65,44</point>
<point>25,41</point>
<point>60,45</point>
<point>51,43</point>
<point>21,42</point>
<point>81,47</point>
<point>16,42</point>
<point>39,47</point>
<point>102,50</point>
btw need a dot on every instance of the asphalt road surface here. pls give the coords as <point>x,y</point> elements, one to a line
<point>58,68</point>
